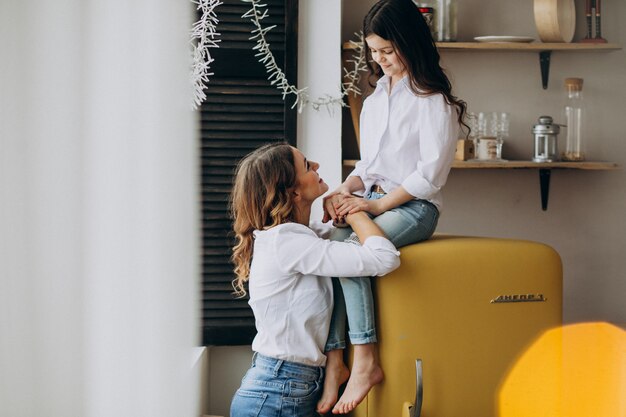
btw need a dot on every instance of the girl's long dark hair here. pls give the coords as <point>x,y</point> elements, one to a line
<point>401,23</point>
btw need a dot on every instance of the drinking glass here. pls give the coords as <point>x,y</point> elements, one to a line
<point>503,120</point>
<point>489,130</point>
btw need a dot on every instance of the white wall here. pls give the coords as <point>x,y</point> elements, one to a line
<point>319,64</point>
<point>98,212</point>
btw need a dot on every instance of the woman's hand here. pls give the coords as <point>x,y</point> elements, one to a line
<point>353,204</point>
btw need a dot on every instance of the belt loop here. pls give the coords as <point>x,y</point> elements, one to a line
<point>254,358</point>
<point>279,363</point>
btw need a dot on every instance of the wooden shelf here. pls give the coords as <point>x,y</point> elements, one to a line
<point>602,166</point>
<point>545,169</point>
<point>527,47</point>
<point>586,165</point>
<point>519,46</point>
<point>543,48</point>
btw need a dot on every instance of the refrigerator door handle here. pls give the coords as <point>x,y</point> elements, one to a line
<point>416,409</point>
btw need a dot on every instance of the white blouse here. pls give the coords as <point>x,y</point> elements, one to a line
<point>290,290</point>
<point>407,140</point>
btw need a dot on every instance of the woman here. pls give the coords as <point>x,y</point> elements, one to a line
<point>287,266</point>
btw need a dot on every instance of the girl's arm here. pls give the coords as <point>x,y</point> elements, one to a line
<point>352,184</point>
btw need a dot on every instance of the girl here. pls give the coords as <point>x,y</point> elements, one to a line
<point>288,268</point>
<point>409,128</point>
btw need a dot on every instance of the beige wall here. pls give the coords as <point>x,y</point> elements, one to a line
<point>585,218</point>
<point>584,221</point>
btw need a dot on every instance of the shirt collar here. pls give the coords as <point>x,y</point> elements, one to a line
<point>385,80</point>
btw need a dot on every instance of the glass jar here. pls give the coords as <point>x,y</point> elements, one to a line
<point>428,10</point>
<point>445,12</point>
<point>574,115</point>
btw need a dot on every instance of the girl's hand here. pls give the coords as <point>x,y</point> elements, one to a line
<point>330,203</point>
<point>352,204</point>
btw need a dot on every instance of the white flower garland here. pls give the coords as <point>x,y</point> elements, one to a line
<point>205,31</point>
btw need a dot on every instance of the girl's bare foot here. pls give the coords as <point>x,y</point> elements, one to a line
<point>336,374</point>
<point>366,372</point>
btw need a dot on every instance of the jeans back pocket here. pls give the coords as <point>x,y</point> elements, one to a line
<point>247,403</point>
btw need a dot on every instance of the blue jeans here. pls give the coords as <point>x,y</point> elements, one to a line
<point>411,222</point>
<point>273,387</point>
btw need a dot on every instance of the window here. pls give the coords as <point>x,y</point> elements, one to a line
<point>242,111</point>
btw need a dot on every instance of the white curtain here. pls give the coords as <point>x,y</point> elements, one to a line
<point>98,209</point>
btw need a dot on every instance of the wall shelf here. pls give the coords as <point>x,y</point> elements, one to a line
<point>585,165</point>
<point>545,169</point>
<point>544,50</point>
<point>528,47</point>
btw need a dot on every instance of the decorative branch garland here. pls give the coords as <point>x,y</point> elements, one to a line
<point>276,76</point>
<point>205,31</point>
<point>358,59</point>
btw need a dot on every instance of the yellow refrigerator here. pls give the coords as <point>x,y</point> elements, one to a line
<point>465,308</point>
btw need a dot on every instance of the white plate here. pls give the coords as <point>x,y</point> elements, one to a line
<point>503,39</point>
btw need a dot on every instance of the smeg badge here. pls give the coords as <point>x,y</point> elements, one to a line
<point>518,298</point>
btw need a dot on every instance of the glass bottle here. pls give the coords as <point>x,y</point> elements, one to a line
<point>574,120</point>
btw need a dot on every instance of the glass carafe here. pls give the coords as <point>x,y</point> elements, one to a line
<point>574,120</point>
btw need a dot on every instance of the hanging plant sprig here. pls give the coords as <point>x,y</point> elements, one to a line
<point>351,85</point>
<point>203,37</point>
<point>277,77</point>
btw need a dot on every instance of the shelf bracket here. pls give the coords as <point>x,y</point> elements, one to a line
<point>544,65</point>
<point>544,183</point>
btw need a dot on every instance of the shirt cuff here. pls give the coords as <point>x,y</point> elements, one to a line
<point>419,187</point>
<point>376,242</point>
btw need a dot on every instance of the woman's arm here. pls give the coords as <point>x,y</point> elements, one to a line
<point>363,226</point>
<point>298,249</point>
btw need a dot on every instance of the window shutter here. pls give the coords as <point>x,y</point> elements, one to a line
<point>242,112</point>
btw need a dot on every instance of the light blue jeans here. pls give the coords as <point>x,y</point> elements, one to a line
<point>273,387</point>
<point>411,222</point>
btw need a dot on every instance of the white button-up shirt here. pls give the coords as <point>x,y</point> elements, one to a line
<point>291,293</point>
<point>407,140</point>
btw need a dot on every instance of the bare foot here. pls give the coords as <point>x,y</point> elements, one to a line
<point>366,372</point>
<point>336,374</point>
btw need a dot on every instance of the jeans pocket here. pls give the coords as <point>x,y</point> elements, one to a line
<point>302,390</point>
<point>247,403</point>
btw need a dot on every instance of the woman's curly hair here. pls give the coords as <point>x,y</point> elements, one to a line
<point>261,198</point>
